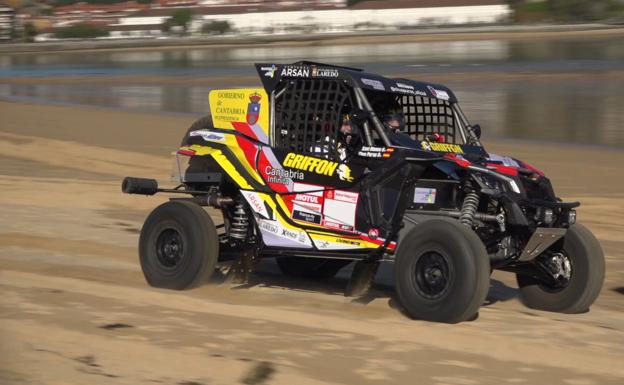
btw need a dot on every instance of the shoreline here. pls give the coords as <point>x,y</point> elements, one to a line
<point>189,117</point>
<point>427,34</point>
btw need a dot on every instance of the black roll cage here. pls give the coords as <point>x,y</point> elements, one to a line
<point>362,102</point>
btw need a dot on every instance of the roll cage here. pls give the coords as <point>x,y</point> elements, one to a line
<point>308,100</point>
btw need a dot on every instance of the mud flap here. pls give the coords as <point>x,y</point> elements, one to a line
<point>362,278</point>
<point>242,267</point>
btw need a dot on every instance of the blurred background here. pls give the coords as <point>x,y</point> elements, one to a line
<point>92,91</point>
<point>540,70</point>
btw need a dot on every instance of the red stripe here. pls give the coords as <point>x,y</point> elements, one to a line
<point>503,169</point>
<point>244,129</point>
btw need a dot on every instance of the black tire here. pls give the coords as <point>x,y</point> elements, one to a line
<point>204,122</point>
<point>178,246</point>
<point>588,270</point>
<point>313,268</point>
<point>442,272</point>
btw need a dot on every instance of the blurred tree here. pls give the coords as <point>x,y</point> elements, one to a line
<point>216,26</point>
<point>565,10</point>
<point>179,20</point>
<point>80,31</point>
<point>30,31</point>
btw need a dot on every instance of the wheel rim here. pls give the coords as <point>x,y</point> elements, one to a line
<point>169,248</point>
<point>555,283</point>
<point>432,275</point>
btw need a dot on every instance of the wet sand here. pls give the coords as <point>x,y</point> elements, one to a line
<point>76,309</point>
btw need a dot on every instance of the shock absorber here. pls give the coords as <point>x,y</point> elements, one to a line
<point>469,208</point>
<point>240,222</point>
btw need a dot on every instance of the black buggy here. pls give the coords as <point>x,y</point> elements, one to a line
<point>328,165</point>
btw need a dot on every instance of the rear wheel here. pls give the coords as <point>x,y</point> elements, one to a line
<point>582,267</point>
<point>315,268</point>
<point>178,246</point>
<point>442,272</point>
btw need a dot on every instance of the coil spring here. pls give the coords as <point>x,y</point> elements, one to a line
<point>240,222</point>
<point>469,209</point>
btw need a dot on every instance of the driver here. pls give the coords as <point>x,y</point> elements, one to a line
<point>392,116</point>
<point>349,138</point>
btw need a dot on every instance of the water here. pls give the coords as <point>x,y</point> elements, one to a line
<point>573,91</point>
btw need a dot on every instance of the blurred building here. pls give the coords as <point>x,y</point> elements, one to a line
<point>7,22</point>
<point>327,16</point>
<point>102,14</point>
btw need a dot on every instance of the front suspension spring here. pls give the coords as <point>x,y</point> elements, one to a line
<point>240,222</point>
<point>469,209</point>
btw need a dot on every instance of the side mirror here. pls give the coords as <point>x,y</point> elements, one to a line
<point>360,117</point>
<point>476,129</point>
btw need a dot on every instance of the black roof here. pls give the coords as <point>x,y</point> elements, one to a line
<point>271,74</point>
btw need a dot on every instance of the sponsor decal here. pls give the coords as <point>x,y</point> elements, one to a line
<point>269,72</point>
<point>376,84</point>
<point>408,91</point>
<point>270,226</point>
<point>441,147</point>
<point>308,202</point>
<point>256,203</point>
<point>307,216</point>
<point>279,231</point>
<point>296,71</point>
<point>281,176</point>
<point>339,209</point>
<point>308,198</point>
<point>372,152</point>
<point>424,195</point>
<point>208,135</point>
<point>324,72</point>
<point>337,244</point>
<point>440,94</point>
<point>348,241</point>
<point>253,108</point>
<point>403,85</point>
<point>344,173</point>
<point>239,106</point>
<point>311,164</point>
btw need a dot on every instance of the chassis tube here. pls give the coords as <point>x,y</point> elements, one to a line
<point>364,104</point>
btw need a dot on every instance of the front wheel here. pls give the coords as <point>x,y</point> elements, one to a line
<point>583,264</point>
<point>442,272</point>
<point>178,246</point>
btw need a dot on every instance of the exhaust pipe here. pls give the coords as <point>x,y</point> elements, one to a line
<point>140,186</point>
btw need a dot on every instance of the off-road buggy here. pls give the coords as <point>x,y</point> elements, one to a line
<point>427,197</point>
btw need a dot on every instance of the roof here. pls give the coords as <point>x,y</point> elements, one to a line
<point>272,74</point>
<point>390,4</point>
<point>235,9</point>
<point>127,6</point>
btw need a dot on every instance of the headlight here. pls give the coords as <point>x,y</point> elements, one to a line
<point>547,216</point>
<point>571,217</point>
<point>495,180</point>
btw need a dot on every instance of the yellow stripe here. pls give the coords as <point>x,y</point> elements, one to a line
<point>230,169</point>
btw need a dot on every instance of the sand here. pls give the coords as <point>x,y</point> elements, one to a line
<point>75,308</point>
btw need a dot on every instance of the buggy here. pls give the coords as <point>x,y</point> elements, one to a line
<point>306,170</point>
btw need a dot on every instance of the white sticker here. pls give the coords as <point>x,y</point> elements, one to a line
<point>210,136</point>
<point>256,203</point>
<point>424,195</point>
<point>339,209</point>
<point>274,234</point>
<point>440,94</point>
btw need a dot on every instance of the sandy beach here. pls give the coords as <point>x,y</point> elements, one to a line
<point>76,309</point>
